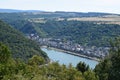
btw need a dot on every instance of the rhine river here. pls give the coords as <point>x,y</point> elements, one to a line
<point>65,58</point>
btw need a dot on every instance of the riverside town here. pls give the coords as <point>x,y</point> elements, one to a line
<point>89,51</point>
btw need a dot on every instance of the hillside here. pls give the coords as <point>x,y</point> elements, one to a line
<point>92,29</point>
<point>20,46</point>
<point>83,32</point>
<point>36,69</point>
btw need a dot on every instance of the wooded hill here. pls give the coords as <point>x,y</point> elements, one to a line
<point>20,46</point>
<point>58,25</point>
<point>88,33</point>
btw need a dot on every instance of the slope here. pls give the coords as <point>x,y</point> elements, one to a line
<point>20,46</point>
<point>89,33</point>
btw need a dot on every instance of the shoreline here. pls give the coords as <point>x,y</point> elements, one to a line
<point>72,53</point>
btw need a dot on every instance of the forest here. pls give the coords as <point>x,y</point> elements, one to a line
<point>22,59</point>
<point>37,69</point>
<point>20,46</point>
<point>90,33</point>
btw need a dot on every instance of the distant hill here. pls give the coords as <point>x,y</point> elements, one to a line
<point>92,28</point>
<point>58,13</point>
<point>17,11</point>
<point>20,46</point>
<point>83,32</point>
<point>83,14</point>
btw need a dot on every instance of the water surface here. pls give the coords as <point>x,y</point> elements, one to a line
<point>65,58</point>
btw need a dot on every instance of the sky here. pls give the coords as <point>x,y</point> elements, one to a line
<point>110,6</point>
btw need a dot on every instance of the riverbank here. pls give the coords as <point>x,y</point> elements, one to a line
<point>72,53</point>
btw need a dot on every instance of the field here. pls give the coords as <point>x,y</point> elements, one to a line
<point>109,19</point>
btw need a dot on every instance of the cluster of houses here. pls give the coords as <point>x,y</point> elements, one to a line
<point>91,51</point>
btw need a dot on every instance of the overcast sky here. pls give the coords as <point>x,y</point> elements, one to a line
<point>111,6</point>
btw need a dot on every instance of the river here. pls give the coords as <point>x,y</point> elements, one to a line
<point>65,58</point>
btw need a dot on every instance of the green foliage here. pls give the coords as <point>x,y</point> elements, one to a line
<point>102,69</point>
<point>36,70</point>
<point>57,72</point>
<point>20,46</point>
<point>4,53</point>
<point>81,66</point>
<point>88,33</point>
<point>6,62</point>
<point>36,60</point>
<point>114,73</point>
<point>109,68</point>
<point>90,75</point>
<point>83,32</point>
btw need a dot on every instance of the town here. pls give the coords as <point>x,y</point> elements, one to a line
<point>90,51</point>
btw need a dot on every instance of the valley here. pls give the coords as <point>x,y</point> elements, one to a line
<point>83,46</point>
<point>91,52</point>
<point>87,34</point>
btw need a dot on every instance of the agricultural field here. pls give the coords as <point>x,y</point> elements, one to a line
<point>108,19</point>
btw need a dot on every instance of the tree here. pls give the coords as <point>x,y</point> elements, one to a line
<point>81,66</point>
<point>109,68</point>
<point>90,75</point>
<point>7,64</point>
<point>36,60</point>
<point>4,53</point>
<point>114,73</point>
<point>102,69</point>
